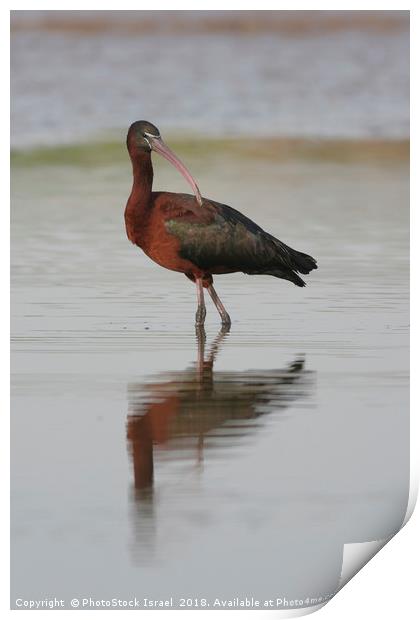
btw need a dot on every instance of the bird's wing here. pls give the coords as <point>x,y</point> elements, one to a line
<point>215,235</point>
<point>218,239</point>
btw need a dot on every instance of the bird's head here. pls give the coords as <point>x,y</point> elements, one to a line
<point>144,137</point>
<point>140,135</point>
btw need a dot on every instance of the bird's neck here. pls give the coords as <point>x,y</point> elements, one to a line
<point>142,179</point>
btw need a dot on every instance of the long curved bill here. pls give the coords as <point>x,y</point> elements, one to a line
<point>160,147</point>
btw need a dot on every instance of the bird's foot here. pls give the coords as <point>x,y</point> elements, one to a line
<point>226,322</point>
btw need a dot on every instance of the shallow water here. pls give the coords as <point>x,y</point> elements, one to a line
<point>149,463</point>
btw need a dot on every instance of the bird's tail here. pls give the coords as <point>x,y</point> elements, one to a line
<point>286,274</point>
<point>295,260</point>
<point>291,262</point>
<point>303,263</point>
<point>286,262</point>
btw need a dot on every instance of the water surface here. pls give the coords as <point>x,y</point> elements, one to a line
<point>150,461</point>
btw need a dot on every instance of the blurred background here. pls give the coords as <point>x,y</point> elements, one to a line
<point>85,75</point>
<point>131,470</point>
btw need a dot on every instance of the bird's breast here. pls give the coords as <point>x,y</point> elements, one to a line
<point>162,247</point>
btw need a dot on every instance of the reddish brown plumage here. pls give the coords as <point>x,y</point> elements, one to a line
<point>145,224</point>
<point>147,212</point>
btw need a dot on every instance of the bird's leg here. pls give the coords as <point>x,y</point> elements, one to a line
<point>201,308</point>
<point>220,307</point>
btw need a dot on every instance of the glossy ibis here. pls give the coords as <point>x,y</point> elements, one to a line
<point>198,236</point>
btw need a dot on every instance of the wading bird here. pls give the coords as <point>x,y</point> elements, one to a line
<point>198,236</point>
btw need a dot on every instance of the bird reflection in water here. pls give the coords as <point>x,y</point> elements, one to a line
<point>183,417</point>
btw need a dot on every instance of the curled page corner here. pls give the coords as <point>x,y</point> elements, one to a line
<point>295,613</point>
<point>413,492</point>
<point>356,555</point>
<point>292,613</point>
